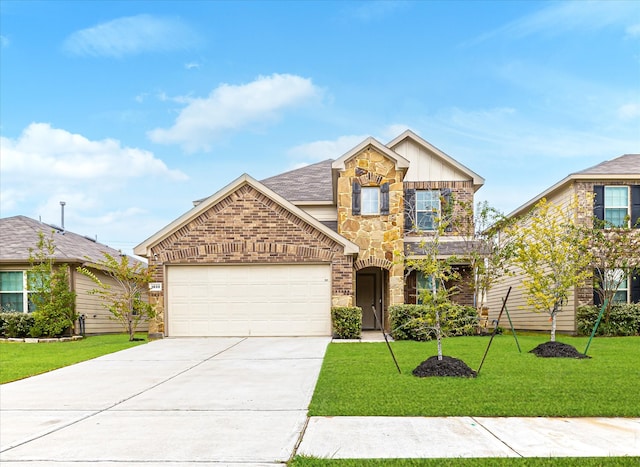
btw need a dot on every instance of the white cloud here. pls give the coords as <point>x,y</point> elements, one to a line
<point>129,36</point>
<point>561,17</point>
<point>232,107</point>
<point>322,150</point>
<point>43,151</point>
<point>192,65</point>
<point>633,30</point>
<point>4,41</point>
<point>629,111</point>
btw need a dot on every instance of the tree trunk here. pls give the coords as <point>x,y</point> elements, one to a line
<point>553,326</point>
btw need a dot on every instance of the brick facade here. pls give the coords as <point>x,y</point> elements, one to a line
<point>248,227</point>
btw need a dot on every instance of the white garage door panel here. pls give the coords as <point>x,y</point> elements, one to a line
<point>256,300</point>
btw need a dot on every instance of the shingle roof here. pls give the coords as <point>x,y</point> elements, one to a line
<point>309,183</point>
<point>19,233</point>
<point>627,164</point>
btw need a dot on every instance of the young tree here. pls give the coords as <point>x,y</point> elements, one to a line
<point>430,263</point>
<point>553,253</point>
<point>485,251</point>
<point>50,293</point>
<point>125,298</point>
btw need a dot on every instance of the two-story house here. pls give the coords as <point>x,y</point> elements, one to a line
<point>609,192</point>
<point>270,258</point>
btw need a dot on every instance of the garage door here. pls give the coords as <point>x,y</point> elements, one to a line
<point>256,300</point>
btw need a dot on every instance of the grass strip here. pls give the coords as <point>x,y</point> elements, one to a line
<point>20,360</point>
<point>302,461</point>
<point>360,379</point>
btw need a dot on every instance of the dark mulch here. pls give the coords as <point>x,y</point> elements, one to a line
<point>557,349</point>
<point>448,366</point>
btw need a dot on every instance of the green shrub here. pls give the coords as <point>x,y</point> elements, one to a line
<point>346,321</point>
<point>417,322</point>
<point>16,324</point>
<point>624,320</point>
<point>411,322</point>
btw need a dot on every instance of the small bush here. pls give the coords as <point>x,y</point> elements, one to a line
<point>417,322</point>
<point>347,321</point>
<point>16,324</point>
<point>624,320</point>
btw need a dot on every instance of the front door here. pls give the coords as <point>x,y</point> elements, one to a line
<point>368,294</point>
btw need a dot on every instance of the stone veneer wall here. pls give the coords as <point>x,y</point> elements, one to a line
<point>249,227</point>
<point>379,236</point>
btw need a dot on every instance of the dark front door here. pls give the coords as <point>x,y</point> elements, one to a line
<point>368,294</point>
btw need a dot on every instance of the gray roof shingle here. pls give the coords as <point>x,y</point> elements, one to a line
<point>309,183</point>
<point>623,165</point>
<point>19,233</point>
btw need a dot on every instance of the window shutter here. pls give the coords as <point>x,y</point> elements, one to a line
<point>635,286</point>
<point>446,209</point>
<point>635,206</point>
<point>355,198</point>
<point>384,199</point>
<point>598,204</point>
<point>409,209</point>
<point>597,284</point>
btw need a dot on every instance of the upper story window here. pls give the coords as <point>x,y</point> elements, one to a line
<point>14,293</point>
<point>427,209</point>
<point>370,200</point>
<point>616,205</point>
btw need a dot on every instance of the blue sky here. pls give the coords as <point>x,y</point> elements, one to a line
<point>128,111</point>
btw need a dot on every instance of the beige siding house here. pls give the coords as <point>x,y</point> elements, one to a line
<point>18,234</point>
<point>611,191</point>
<point>271,257</point>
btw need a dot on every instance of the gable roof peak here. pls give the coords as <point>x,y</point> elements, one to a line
<point>400,161</point>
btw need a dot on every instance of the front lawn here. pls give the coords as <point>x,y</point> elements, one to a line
<point>20,360</point>
<point>361,379</point>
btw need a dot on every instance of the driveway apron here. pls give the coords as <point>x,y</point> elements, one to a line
<point>169,402</point>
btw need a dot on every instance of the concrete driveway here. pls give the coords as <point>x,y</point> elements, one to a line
<point>169,402</point>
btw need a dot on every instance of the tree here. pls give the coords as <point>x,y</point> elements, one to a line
<point>125,297</point>
<point>553,253</point>
<point>485,251</point>
<point>430,263</point>
<point>50,293</point>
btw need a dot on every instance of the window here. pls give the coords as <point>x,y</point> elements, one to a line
<point>427,209</point>
<point>618,277</point>
<point>616,205</point>
<point>14,295</point>
<point>423,285</point>
<point>370,200</point>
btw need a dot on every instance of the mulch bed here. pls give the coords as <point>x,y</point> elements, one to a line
<point>557,350</point>
<point>448,366</point>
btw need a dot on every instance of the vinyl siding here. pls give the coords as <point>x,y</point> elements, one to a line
<point>523,315</point>
<point>425,165</point>
<point>97,317</point>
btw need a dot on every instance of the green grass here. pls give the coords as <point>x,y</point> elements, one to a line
<point>361,379</point>
<point>301,461</point>
<point>20,360</point>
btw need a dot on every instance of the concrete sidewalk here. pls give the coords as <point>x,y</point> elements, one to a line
<point>441,437</point>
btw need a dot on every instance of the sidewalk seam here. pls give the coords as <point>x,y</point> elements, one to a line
<point>495,436</point>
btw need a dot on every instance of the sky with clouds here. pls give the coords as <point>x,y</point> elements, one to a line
<point>128,111</point>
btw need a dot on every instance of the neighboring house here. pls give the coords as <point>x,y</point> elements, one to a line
<point>18,234</point>
<point>271,258</point>
<point>615,186</point>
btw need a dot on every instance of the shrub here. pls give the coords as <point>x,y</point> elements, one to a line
<point>411,322</point>
<point>624,320</point>
<point>16,324</point>
<point>417,322</point>
<point>346,321</point>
